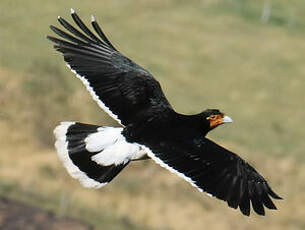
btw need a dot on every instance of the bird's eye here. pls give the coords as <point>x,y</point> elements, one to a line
<point>211,117</point>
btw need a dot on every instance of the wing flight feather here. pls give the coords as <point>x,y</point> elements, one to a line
<point>218,172</point>
<point>126,91</point>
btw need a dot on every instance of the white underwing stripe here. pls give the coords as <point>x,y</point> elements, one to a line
<point>61,145</point>
<point>94,95</point>
<point>172,170</point>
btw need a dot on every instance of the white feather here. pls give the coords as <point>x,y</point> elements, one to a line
<point>162,164</point>
<point>116,154</point>
<point>61,145</point>
<point>105,136</point>
<point>113,146</point>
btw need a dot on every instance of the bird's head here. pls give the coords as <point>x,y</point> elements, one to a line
<point>213,118</point>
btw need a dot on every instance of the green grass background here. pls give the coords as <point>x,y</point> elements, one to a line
<point>206,54</point>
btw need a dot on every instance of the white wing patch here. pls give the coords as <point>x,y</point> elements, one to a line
<point>95,96</point>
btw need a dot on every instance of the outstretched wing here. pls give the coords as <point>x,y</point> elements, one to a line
<point>126,91</point>
<point>218,172</point>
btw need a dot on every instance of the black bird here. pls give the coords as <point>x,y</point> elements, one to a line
<point>150,128</point>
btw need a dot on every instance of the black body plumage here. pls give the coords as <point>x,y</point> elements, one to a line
<point>131,95</point>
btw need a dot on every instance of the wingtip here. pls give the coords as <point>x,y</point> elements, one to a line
<point>261,213</point>
<point>277,197</point>
<point>58,17</point>
<point>245,212</point>
<point>92,18</point>
<point>274,195</point>
<point>72,11</point>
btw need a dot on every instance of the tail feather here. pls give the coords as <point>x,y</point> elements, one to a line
<point>91,153</point>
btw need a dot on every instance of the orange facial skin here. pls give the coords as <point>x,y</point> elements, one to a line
<point>215,120</point>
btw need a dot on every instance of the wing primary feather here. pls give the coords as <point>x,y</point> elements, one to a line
<point>80,55</point>
<point>84,52</point>
<point>63,34</point>
<point>273,194</point>
<point>255,199</point>
<point>242,188</point>
<point>268,202</point>
<point>104,48</point>
<point>61,42</point>
<point>234,198</point>
<point>74,31</point>
<point>99,31</point>
<point>85,29</point>
<point>258,206</point>
<point>244,205</point>
<point>221,187</point>
<point>89,48</point>
<point>93,47</point>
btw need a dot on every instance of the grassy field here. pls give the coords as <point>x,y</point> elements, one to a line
<point>206,54</point>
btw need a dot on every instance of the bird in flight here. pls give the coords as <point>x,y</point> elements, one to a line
<point>150,127</point>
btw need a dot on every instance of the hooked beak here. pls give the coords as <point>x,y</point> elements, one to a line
<point>227,119</point>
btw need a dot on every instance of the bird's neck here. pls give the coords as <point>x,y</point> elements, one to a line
<point>194,123</point>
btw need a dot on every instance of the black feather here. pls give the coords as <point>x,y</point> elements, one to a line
<point>74,31</point>
<point>244,204</point>
<point>85,29</point>
<point>63,34</point>
<point>99,31</point>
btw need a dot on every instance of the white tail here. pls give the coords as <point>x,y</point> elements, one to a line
<point>92,154</point>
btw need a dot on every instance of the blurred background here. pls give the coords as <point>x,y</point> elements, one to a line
<point>243,57</point>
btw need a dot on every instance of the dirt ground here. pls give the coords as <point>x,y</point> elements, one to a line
<point>18,216</point>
